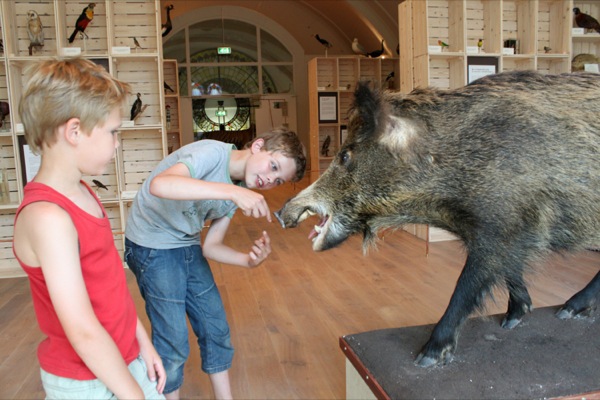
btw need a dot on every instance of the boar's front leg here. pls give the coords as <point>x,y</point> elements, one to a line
<point>474,283</point>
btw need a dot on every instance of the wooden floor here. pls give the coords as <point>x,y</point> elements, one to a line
<point>286,315</point>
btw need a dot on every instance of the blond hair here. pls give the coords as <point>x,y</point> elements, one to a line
<point>58,90</point>
<point>288,144</point>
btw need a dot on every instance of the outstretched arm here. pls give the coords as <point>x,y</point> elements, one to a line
<point>175,183</point>
<point>214,248</point>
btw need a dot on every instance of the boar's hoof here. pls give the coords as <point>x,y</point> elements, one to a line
<point>431,360</point>
<point>510,323</point>
<point>568,312</point>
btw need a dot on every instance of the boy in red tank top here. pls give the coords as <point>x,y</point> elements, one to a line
<point>96,347</point>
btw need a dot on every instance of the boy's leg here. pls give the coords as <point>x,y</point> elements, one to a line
<point>221,385</point>
<point>208,320</point>
<point>161,276</point>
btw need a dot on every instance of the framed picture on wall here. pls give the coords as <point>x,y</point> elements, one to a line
<point>478,67</point>
<point>30,162</point>
<point>343,133</point>
<point>328,107</point>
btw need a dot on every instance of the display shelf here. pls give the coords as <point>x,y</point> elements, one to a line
<point>140,151</point>
<point>9,266</point>
<point>94,40</point>
<point>587,42</point>
<point>172,107</point>
<point>141,74</point>
<point>15,21</point>
<point>537,31</point>
<point>336,78</point>
<point>133,19</point>
<point>109,42</point>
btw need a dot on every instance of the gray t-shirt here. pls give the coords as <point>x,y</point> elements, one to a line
<point>160,223</point>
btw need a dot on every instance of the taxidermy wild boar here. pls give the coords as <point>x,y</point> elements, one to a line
<point>510,164</point>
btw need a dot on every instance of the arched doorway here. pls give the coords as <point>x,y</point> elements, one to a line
<point>259,70</point>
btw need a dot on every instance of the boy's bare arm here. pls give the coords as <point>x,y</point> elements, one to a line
<point>175,183</point>
<point>154,364</point>
<point>47,230</point>
<point>214,248</point>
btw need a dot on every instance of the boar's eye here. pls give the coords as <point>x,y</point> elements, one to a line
<point>345,157</point>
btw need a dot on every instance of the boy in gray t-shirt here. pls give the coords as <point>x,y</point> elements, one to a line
<point>203,181</point>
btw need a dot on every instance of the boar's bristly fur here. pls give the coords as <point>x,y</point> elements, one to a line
<point>510,164</point>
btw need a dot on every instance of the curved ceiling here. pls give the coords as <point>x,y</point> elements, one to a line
<point>338,21</point>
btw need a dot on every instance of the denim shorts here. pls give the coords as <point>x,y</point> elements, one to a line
<point>57,387</point>
<point>175,283</point>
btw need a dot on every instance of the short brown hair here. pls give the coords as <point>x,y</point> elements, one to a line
<point>58,90</point>
<point>286,142</point>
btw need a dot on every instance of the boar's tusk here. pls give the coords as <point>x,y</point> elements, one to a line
<point>307,213</point>
<point>276,214</point>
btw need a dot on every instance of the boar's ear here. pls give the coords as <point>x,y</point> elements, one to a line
<point>367,108</point>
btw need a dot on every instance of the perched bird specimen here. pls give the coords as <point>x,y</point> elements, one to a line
<point>325,146</point>
<point>4,111</point>
<point>547,49</point>
<point>586,21</point>
<point>376,53</point>
<point>35,30</point>
<point>358,48</point>
<point>444,45</point>
<point>86,16</point>
<point>389,76</point>
<point>167,87</point>
<point>480,44</point>
<point>99,184</point>
<point>136,43</point>
<point>167,26</point>
<point>324,42</point>
<point>136,108</point>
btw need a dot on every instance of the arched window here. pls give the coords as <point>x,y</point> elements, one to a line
<point>256,63</point>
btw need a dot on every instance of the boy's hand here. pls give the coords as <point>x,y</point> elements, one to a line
<point>252,204</point>
<point>260,250</point>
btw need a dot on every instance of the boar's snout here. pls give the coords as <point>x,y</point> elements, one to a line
<point>277,215</point>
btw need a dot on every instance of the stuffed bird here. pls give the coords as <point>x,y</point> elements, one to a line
<point>586,21</point>
<point>324,42</point>
<point>167,26</point>
<point>35,30</point>
<point>136,43</point>
<point>99,184</point>
<point>376,53</point>
<point>440,43</point>
<point>358,48</point>
<point>4,112</point>
<point>86,16</point>
<point>136,108</point>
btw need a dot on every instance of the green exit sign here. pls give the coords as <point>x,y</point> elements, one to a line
<point>224,50</point>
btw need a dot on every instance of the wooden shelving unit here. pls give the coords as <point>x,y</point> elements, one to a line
<point>589,41</point>
<point>541,30</point>
<point>331,83</point>
<point>172,108</point>
<point>110,43</point>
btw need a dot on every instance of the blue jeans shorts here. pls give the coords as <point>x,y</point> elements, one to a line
<point>175,283</point>
<point>58,387</point>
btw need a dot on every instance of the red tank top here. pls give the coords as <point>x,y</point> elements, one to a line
<point>105,281</point>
